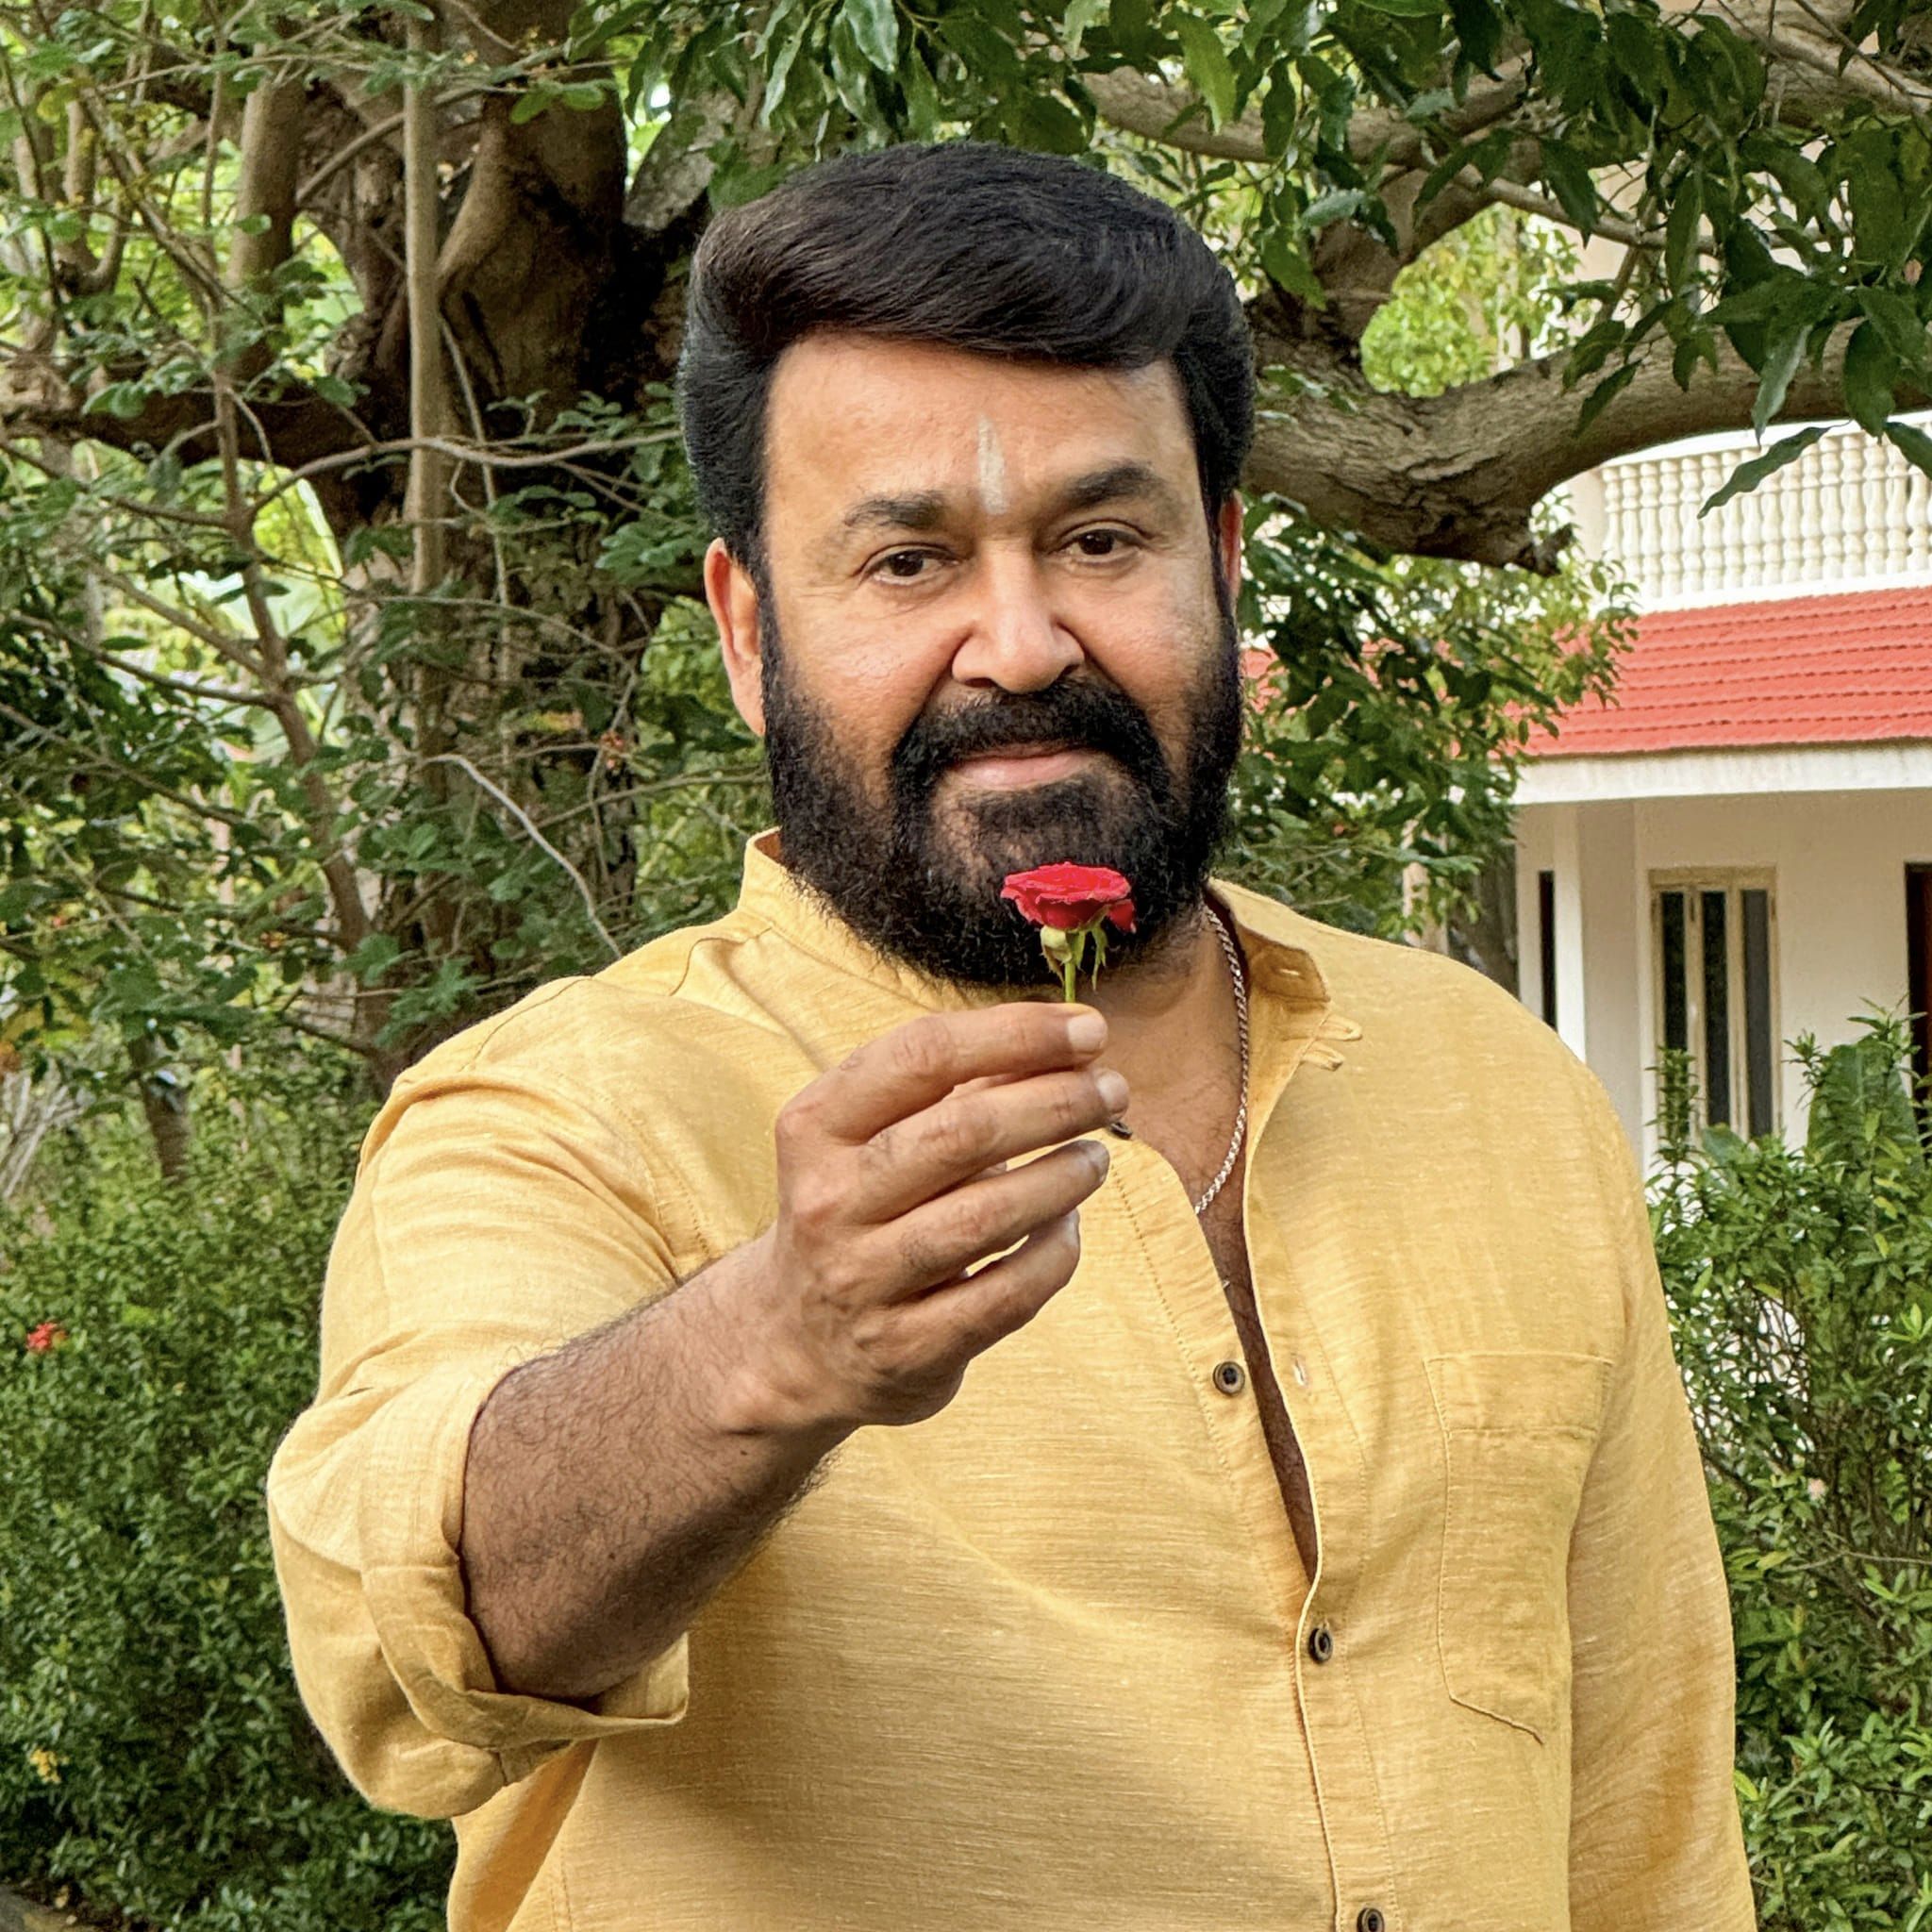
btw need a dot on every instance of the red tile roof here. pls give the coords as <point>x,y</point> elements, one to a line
<point>1852,669</point>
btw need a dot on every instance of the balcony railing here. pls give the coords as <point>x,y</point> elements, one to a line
<point>1850,511</point>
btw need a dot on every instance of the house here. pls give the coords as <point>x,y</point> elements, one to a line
<point>1738,849</point>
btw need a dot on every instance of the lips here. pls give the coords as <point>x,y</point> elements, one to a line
<point>1030,748</point>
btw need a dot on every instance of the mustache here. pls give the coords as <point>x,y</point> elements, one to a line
<point>1077,715</point>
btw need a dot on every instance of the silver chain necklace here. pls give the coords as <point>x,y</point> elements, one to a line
<point>1237,973</point>
<point>1240,1020</point>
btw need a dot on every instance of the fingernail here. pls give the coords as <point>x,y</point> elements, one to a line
<point>1085,1032</point>
<point>1097,1155</point>
<point>1114,1089</point>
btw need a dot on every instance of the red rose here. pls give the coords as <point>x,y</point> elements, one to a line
<point>1066,896</point>
<point>43,1338</point>
<point>1073,906</point>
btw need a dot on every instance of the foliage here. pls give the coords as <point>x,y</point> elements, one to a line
<point>1800,1284</point>
<point>1489,294</point>
<point>348,690</point>
<point>1400,691</point>
<point>279,751</point>
<point>153,1751</point>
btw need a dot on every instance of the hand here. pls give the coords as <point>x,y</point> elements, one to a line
<point>863,1302</point>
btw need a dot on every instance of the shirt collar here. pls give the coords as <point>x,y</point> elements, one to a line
<point>1276,943</point>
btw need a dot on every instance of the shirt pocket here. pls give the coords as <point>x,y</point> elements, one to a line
<point>1518,1432</point>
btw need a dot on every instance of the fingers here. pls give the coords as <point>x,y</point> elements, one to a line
<point>945,1144</point>
<point>940,1241</point>
<point>964,1320</point>
<point>921,1062</point>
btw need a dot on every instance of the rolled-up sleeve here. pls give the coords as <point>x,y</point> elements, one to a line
<point>493,1219</point>
<point>1654,1836</point>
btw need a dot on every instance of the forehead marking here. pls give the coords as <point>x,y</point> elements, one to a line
<point>992,469</point>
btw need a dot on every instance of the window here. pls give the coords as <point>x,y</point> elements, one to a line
<point>1546,940</point>
<point>1713,939</point>
<point>1918,975</point>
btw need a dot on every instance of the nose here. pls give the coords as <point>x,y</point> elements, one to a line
<point>1013,638</point>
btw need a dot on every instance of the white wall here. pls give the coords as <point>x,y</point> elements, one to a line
<point>1839,857</point>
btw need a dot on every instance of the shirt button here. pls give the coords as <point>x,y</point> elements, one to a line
<point>1121,1130</point>
<point>1369,1919</point>
<point>1322,1647</point>
<point>1301,1371</point>
<point>1230,1377</point>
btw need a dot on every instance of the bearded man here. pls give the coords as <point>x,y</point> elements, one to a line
<point>817,1432</point>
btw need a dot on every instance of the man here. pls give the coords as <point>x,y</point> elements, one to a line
<point>816,1432</point>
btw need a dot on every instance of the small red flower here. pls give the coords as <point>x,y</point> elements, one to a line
<point>1065,896</point>
<point>1073,906</point>
<point>41,1339</point>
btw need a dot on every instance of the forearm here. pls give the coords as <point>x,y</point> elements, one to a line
<point>612,1487</point>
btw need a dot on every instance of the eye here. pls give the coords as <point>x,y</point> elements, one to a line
<point>1102,544</point>
<point>904,566</point>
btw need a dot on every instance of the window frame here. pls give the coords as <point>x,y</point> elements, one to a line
<point>1733,881</point>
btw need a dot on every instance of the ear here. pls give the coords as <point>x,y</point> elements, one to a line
<point>734,601</point>
<point>1227,544</point>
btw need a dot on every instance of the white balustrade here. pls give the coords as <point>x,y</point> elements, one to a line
<point>1851,510</point>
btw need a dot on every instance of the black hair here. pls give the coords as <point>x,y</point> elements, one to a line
<point>992,249</point>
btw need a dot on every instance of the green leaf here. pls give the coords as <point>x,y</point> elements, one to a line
<point>1131,22</point>
<point>852,71</point>
<point>1480,32</point>
<point>1897,320</point>
<point>532,101</point>
<point>1568,174</point>
<point>124,400</point>
<point>874,25</point>
<point>1682,230</point>
<point>1871,374</point>
<point>1872,186</point>
<point>1486,155</point>
<point>779,72</point>
<point>1412,10</point>
<point>1913,443</point>
<point>922,97</point>
<point>1748,476</point>
<point>1781,358</point>
<point>1079,16</point>
<point>1331,207</point>
<point>1207,62</point>
<point>1699,346</point>
<point>1280,114</point>
<point>1605,392</point>
<point>1802,180</point>
<point>1288,266</point>
<point>1046,122</point>
<point>1636,54</point>
<point>373,958</point>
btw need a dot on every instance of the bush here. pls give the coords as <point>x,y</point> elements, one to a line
<point>1800,1284</point>
<point>153,1754</point>
<point>153,1751</point>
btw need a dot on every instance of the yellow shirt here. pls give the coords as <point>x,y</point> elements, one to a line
<point>1049,1660</point>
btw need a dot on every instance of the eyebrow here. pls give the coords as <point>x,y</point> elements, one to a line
<point>926,510</point>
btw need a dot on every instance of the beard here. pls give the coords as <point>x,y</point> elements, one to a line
<point>919,878</point>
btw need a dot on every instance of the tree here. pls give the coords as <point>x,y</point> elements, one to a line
<point>351,668</point>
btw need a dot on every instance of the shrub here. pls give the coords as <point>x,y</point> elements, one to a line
<point>1800,1284</point>
<point>153,1750</point>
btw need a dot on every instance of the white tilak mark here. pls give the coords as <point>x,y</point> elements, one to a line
<point>992,470</point>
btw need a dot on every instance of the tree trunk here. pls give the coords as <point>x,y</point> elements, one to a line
<point>164,1100</point>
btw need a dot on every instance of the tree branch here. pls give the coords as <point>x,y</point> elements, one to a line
<point>265,188</point>
<point>1457,474</point>
<point>529,824</point>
